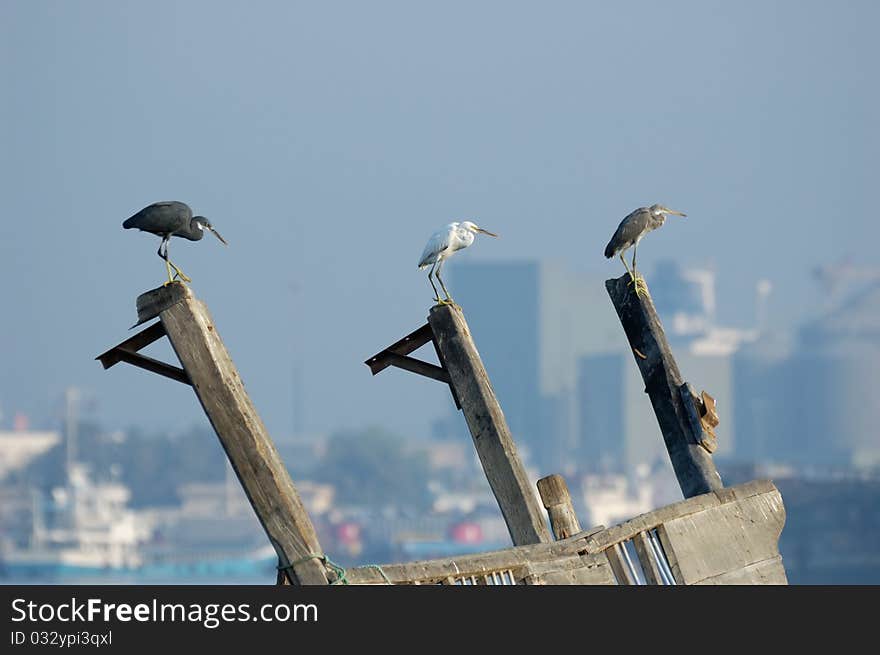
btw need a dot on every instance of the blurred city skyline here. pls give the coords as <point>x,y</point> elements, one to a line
<point>327,143</point>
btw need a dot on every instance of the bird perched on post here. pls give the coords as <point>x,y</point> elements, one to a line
<point>630,232</point>
<point>442,245</point>
<point>171,219</point>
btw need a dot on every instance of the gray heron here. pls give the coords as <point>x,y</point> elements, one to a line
<point>630,232</point>
<point>442,245</point>
<point>171,219</point>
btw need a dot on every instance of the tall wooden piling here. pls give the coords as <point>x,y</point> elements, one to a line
<point>248,445</point>
<point>691,462</point>
<point>488,427</point>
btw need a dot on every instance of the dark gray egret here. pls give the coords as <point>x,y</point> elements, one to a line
<point>444,243</point>
<point>630,232</point>
<point>171,219</point>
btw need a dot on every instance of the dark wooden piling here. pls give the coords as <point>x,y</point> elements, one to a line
<point>691,462</point>
<point>488,427</point>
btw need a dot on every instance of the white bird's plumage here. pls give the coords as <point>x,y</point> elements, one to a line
<point>446,241</point>
<point>442,245</point>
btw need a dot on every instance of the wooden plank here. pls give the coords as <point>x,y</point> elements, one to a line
<point>476,564</point>
<point>411,342</point>
<point>618,565</point>
<point>766,572</point>
<point>243,435</point>
<point>647,559</point>
<point>557,501</point>
<point>671,556</point>
<point>692,464</point>
<point>599,573</point>
<point>628,529</point>
<point>141,340</point>
<point>492,438</point>
<point>718,542</point>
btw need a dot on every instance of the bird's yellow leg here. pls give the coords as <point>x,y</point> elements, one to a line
<point>433,286</point>
<point>631,276</point>
<point>170,277</point>
<point>636,280</point>
<point>183,276</point>
<point>641,287</point>
<point>639,284</point>
<point>448,300</point>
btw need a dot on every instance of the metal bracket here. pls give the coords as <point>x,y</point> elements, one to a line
<point>397,354</point>
<point>127,351</point>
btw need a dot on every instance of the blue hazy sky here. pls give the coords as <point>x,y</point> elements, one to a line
<point>327,141</point>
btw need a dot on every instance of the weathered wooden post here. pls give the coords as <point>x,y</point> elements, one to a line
<point>488,427</point>
<point>461,368</point>
<point>674,403</point>
<point>208,367</point>
<point>557,501</point>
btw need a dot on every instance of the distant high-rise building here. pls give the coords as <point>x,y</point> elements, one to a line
<point>811,401</point>
<point>830,389</point>
<point>764,421</point>
<point>531,322</point>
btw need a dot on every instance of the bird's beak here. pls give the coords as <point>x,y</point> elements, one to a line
<point>676,213</point>
<point>491,234</point>
<point>217,234</point>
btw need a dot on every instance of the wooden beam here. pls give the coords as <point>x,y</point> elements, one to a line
<point>248,445</point>
<point>647,559</point>
<point>557,501</point>
<point>617,559</point>
<point>692,464</point>
<point>488,427</point>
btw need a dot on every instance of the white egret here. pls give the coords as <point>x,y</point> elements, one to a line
<point>442,245</point>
